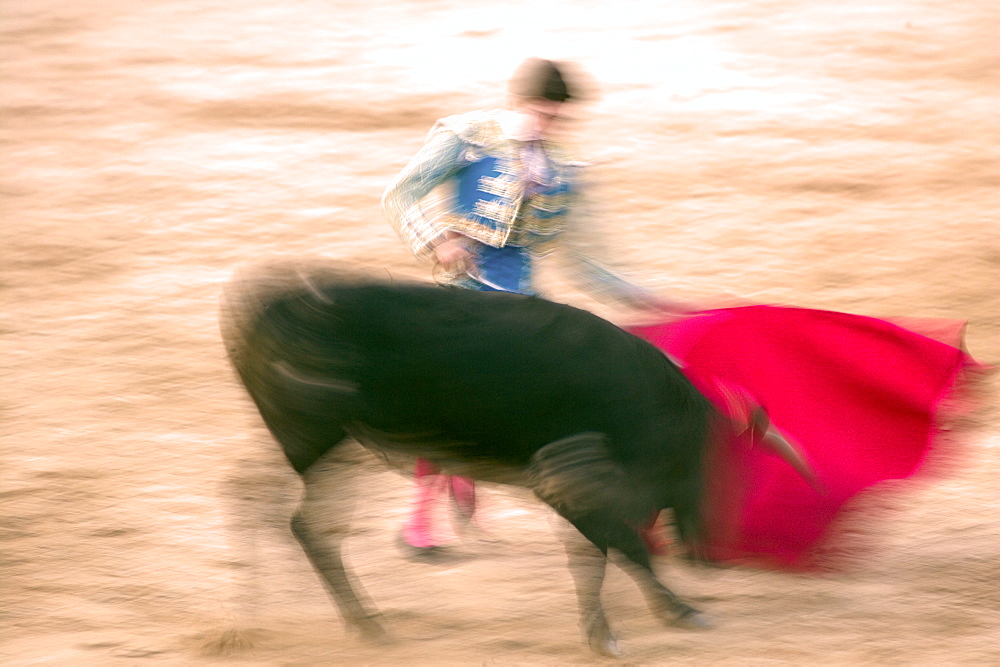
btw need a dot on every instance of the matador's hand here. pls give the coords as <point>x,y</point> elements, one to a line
<point>452,256</point>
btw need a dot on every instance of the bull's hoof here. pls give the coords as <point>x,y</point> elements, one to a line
<point>692,619</point>
<point>604,644</point>
<point>372,632</point>
<point>601,640</point>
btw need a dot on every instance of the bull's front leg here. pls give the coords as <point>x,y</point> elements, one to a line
<point>665,603</point>
<point>606,531</point>
<point>584,485</point>
<point>587,566</point>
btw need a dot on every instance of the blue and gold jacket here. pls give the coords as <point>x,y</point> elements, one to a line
<point>492,205</point>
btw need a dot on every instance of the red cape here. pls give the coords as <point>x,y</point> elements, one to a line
<point>860,396</point>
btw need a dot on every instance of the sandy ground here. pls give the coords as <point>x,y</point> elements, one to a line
<point>834,155</point>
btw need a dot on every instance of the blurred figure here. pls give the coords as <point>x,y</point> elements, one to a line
<point>514,192</point>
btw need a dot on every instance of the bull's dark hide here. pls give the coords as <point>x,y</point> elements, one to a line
<point>597,421</point>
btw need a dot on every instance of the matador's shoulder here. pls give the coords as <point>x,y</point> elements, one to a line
<point>480,128</point>
<point>483,130</point>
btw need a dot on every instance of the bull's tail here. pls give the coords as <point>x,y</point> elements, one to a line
<point>278,324</point>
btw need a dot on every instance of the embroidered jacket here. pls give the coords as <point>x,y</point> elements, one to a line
<point>499,201</point>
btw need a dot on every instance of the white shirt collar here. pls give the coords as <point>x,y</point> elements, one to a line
<point>516,125</point>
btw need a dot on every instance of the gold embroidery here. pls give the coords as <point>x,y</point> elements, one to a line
<point>501,186</point>
<point>515,221</point>
<point>474,229</point>
<point>498,210</point>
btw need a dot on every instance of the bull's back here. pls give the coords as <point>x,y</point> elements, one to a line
<point>479,375</point>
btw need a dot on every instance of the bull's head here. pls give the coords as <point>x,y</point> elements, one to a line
<point>746,415</point>
<point>743,418</point>
<point>782,446</point>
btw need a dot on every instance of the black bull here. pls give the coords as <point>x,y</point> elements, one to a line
<point>500,387</point>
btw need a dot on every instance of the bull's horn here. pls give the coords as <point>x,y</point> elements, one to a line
<point>795,458</point>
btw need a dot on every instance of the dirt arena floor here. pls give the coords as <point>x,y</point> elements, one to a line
<point>841,155</point>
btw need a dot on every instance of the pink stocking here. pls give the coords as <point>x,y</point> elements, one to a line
<point>463,490</point>
<point>418,529</point>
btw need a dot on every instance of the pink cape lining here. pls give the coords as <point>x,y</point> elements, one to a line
<point>859,395</point>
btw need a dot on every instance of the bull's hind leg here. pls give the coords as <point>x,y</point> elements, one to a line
<point>577,477</point>
<point>305,410</point>
<point>320,525</point>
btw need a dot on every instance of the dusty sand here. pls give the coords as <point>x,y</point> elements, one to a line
<point>834,155</point>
